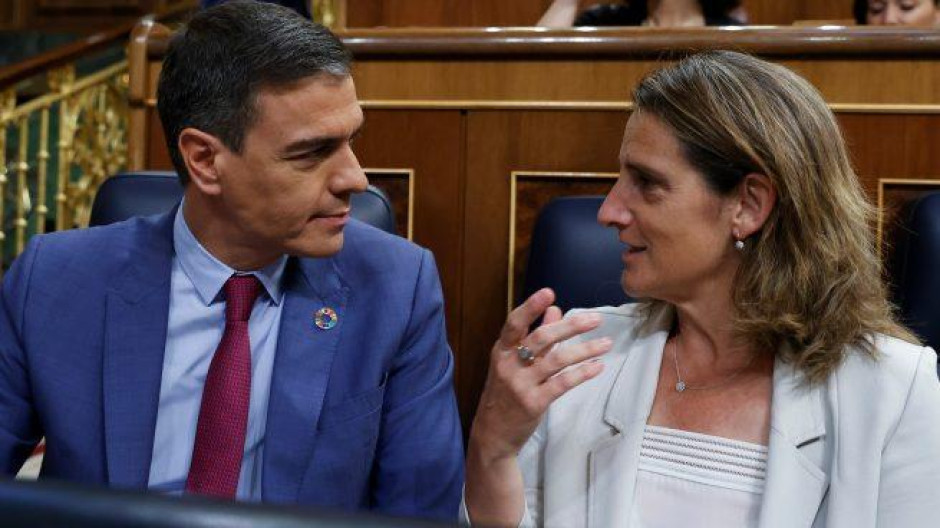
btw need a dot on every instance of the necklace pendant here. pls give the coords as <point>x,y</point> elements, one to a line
<point>680,386</point>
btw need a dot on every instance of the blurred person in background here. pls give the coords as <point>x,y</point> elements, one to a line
<point>917,13</point>
<point>652,13</point>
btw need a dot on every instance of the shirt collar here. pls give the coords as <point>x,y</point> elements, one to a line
<point>208,274</point>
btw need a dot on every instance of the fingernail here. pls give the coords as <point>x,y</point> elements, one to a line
<point>604,342</point>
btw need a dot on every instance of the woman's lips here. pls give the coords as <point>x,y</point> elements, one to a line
<point>632,252</point>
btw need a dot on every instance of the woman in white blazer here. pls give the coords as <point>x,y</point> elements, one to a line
<point>761,380</point>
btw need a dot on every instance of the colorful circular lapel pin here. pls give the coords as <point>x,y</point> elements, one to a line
<point>325,318</point>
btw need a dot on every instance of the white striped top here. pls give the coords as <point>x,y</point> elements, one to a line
<point>693,479</point>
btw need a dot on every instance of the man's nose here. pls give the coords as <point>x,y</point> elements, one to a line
<point>350,176</point>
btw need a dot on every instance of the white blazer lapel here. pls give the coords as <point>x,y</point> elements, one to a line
<point>614,460</point>
<point>795,486</point>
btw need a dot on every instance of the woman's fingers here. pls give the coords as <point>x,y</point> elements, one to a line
<point>564,381</point>
<point>552,315</point>
<point>568,357</point>
<point>519,320</point>
<point>548,335</point>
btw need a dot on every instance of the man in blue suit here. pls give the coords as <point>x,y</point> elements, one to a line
<point>255,343</point>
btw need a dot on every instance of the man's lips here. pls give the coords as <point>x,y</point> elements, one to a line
<point>338,218</point>
<point>334,214</point>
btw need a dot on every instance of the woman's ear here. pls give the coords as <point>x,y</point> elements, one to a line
<point>200,152</point>
<point>756,199</point>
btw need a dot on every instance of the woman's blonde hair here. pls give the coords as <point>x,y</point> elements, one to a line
<point>810,282</point>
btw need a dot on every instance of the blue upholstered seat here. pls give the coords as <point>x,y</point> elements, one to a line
<point>574,255</point>
<point>914,267</point>
<point>150,192</point>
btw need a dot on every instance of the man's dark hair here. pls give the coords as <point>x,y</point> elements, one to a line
<point>215,66</point>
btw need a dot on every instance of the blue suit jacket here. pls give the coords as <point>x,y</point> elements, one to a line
<point>362,416</point>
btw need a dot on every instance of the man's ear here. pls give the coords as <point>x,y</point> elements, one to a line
<point>757,196</point>
<point>200,152</point>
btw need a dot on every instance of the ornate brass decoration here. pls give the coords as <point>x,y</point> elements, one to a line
<point>60,82</point>
<point>42,161</point>
<point>90,145</point>
<point>98,120</point>
<point>23,204</point>
<point>7,101</point>
<point>325,12</point>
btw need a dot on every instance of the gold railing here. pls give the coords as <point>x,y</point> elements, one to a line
<point>61,135</point>
<point>87,145</point>
<point>330,13</point>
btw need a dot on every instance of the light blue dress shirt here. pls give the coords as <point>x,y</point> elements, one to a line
<point>196,322</point>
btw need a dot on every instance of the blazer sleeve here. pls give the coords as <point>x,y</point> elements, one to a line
<point>419,468</point>
<point>532,465</point>
<point>19,426</point>
<point>910,474</point>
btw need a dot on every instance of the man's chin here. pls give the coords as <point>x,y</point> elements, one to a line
<point>319,248</point>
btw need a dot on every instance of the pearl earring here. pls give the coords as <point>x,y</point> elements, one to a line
<point>738,243</point>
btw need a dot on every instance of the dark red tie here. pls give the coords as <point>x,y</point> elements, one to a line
<point>223,415</point>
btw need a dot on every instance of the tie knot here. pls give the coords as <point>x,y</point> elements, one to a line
<point>240,294</point>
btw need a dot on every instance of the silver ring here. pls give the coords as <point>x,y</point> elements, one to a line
<point>525,354</point>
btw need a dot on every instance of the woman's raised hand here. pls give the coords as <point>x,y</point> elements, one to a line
<point>518,391</point>
<point>527,373</point>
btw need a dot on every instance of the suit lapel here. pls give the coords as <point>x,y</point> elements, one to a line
<point>301,373</point>
<point>614,461</point>
<point>795,487</point>
<point>135,338</point>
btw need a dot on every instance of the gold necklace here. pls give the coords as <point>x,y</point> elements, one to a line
<point>681,386</point>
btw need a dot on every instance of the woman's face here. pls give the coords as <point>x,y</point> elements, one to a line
<point>679,231</point>
<point>902,12</point>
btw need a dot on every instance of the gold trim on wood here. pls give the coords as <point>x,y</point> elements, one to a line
<point>856,108</point>
<point>900,182</point>
<point>409,174</point>
<point>430,104</point>
<point>514,177</point>
<point>449,104</point>
<point>626,106</point>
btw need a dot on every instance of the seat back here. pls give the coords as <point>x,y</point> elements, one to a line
<point>914,268</point>
<point>151,192</point>
<point>575,256</point>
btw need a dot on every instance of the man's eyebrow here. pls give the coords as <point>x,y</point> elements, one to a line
<point>305,145</point>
